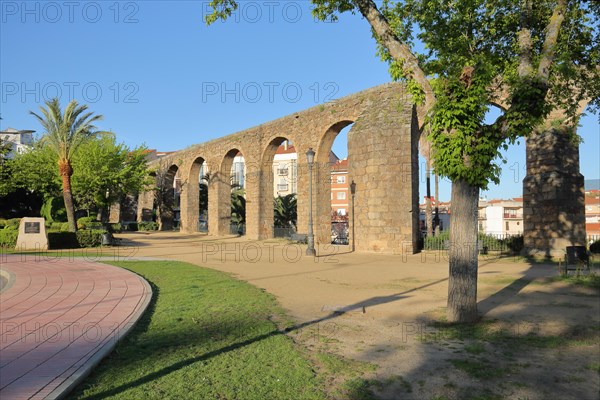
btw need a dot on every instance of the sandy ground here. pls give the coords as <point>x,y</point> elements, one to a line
<point>380,309</point>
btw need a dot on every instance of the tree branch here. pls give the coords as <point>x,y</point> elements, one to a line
<point>398,50</point>
<point>552,31</point>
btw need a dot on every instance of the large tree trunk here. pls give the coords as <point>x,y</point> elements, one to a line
<point>462,283</point>
<point>65,170</point>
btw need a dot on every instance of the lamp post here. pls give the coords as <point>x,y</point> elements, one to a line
<point>310,251</point>
<point>353,192</point>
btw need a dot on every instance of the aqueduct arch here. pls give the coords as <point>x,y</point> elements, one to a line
<point>382,157</point>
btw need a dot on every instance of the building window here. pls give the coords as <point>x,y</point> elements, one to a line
<point>341,195</point>
<point>507,227</point>
<point>341,179</point>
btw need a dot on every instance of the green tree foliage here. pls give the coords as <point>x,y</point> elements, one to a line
<point>238,206</point>
<point>64,132</point>
<point>106,171</point>
<point>286,214</point>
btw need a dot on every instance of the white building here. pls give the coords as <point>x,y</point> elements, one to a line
<point>501,217</point>
<point>21,141</point>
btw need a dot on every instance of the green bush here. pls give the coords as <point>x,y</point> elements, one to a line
<point>515,243</point>
<point>64,227</point>
<point>90,238</point>
<point>8,238</point>
<point>595,247</point>
<point>71,240</point>
<point>132,227</point>
<point>437,242</point>
<point>2,223</point>
<point>83,222</point>
<point>13,224</point>
<point>148,226</point>
<point>62,240</point>
<point>115,227</point>
<point>55,226</point>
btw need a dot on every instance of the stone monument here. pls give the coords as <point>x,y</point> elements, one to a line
<point>32,234</point>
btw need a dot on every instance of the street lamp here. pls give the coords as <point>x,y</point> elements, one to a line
<point>310,251</point>
<point>353,192</point>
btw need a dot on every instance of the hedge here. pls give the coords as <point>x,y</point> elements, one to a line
<point>12,224</point>
<point>71,240</point>
<point>595,247</point>
<point>8,238</point>
<point>147,226</point>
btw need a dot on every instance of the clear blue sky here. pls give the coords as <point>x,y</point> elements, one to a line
<point>161,77</point>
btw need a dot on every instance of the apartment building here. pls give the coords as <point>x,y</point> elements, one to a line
<point>20,141</point>
<point>340,187</point>
<point>592,213</point>
<point>501,217</point>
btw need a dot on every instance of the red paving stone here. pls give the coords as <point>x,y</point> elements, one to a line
<point>59,318</point>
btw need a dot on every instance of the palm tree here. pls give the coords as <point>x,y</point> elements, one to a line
<point>64,133</point>
<point>285,208</point>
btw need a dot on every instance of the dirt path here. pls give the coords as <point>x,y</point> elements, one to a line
<point>539,341</point>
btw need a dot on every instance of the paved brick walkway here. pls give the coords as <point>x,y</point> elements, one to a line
<point>59,318</point>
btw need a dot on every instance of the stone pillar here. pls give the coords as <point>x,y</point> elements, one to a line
<point>322,201</point>
<point>553,195</point>
<point>256,196</point>
<point>190,206</point>
<point>383,161</point>
<point>219,204</point>
<point>114,213</point>
<point>145,206</point>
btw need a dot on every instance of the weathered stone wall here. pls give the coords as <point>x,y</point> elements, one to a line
<point>383,160</point>
<point>553,195</point>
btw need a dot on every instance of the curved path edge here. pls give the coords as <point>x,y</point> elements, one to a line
<point>39,360</point>
<point>78,376</point>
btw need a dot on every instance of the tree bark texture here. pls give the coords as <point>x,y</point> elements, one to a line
<point>462,282</point>
<point>66,171</point>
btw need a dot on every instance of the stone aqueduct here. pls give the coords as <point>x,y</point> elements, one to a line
<point>383,161</point>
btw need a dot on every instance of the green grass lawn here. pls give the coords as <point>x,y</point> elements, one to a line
<point>204,336</point>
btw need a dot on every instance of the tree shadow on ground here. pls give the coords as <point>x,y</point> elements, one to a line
<point>539,338</point>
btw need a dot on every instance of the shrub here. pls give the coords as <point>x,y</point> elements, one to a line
<point>90,238</point>
<point>515,243</point>
<point>8,238</point>
<point>437,242</point>
<point>13,224</point>
<point>71,240</point>
<point>115,227</point>
<point>595,247</point>
<point>56,226</point>
<point>132,227</point>
<point>148,226</point>
<point>62,240</point>
<point>64,227</point>
<point>83,222</point>
<point>2,223</point>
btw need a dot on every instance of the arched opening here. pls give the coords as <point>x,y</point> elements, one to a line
<point>332,181</point>
<point>197,218</point>
<point>279,217</point>
<point>233,218</point>
<point>168,199</point>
